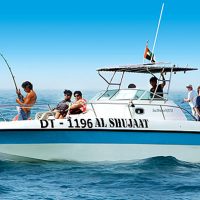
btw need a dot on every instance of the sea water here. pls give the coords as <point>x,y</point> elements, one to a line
<point>153,178</point>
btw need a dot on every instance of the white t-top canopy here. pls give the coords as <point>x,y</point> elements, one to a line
<point>146,68</point>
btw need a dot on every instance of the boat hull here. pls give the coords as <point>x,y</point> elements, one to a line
<point>98,145</point>
<point>97,153</point>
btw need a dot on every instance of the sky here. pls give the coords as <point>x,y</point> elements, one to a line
<point>60,44</point>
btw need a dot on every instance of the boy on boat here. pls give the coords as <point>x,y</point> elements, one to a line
<point>62,108</point>
<point>79,106</point>
<point>25,102</point>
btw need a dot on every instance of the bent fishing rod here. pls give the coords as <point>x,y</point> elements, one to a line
<point>13,77</point>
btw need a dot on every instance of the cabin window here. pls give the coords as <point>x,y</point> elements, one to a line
<point>124,94</point>
<point>138,94</point>
<point>97,96</point>
<point>108,94</point>
<point>146,96</point>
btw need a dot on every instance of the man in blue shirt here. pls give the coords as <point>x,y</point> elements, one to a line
<point>197,105</point>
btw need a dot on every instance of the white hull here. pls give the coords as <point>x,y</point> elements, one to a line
<point>97,152</point>
<point>31,140</point>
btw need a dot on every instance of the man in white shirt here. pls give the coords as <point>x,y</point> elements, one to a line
<point>191,98</point>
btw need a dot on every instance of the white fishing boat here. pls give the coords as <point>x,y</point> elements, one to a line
<point>119,125</point>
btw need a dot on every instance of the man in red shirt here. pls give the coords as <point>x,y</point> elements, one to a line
<point>79,106</point>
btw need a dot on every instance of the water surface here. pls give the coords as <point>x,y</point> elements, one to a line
<point>155,178</point>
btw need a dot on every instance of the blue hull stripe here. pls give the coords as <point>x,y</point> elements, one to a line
<point>98,137</point>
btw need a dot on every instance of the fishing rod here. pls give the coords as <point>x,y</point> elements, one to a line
<point>13,77</point>
<point>1,116</point>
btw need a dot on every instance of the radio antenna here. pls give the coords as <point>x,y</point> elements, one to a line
<point>154,44</point>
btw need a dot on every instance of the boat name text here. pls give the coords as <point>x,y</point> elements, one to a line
<point>95,123</point>
<point>163,110</point>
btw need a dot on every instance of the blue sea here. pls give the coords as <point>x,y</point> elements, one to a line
<point>163,178</point>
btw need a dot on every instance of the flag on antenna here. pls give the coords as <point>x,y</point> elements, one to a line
<point>149,55</point>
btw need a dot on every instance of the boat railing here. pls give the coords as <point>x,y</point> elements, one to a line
<point>130,106</point>
<point>11,110</point>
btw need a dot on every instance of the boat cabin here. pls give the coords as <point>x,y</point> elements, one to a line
<point>135,102</point>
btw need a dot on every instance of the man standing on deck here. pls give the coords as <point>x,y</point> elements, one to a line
<point>197,104</point>
<point>26,102</point>
<point>191,98</point>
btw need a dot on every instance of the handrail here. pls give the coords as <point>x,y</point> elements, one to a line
<point>162,112</point>
<point>111,103</point>
<point>187,112</point>
<point>15,105</point>
<point>5,106</point>
<point>1,116</point>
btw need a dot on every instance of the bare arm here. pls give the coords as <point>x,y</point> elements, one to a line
<point>20,96</point>
<point>190,97</point>
<point>164,82</point>
<point>75,106</point>
<point>187,100</point>
<point>27,100</point>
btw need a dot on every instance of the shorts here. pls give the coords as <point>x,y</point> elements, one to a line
<point>24,115</point>
<point>62,112</point>
<point>76,111</point>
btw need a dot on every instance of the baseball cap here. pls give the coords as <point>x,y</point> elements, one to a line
<point>189,86</point>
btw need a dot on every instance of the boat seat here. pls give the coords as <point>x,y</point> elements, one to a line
<point>78,114</point>
<point>51,114</point>
<point>44,115</point>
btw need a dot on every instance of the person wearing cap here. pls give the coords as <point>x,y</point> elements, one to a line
<point>27,102</point>
<point>79,106</point>
<point>191,98</point>
<point>197,104</point>
<point>62,107</point>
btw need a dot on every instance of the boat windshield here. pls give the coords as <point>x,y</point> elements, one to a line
<point>104,95</point>
<point>124,94</point>
<point>131,94</point>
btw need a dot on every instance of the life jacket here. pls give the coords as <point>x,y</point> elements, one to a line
<point>82,109</point>
<point>83,102</point>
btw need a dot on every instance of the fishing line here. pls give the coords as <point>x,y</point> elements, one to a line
<point>13,77</point>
